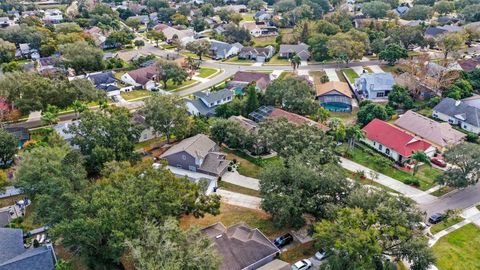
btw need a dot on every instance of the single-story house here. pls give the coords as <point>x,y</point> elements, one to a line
<point>401,10</point>
<point>258,54</point>
<point>394,142</point>
<point>173,33</point>
<point>247,124</point>
<point>288,51</point>
<point>14,255</point>
<point>460,113</point>
<point>197,154</point>
<point>142,77</point>
<point>223,50</point>
<point>147,132</point>
<point>259,29</point>
<point>334,96</point>
<point>440,135</point>
<point>5,216</point>
<point>243,78</point>
<point>262,16</point>
<point>52,16</point>
<point>269,112</point>
<point>5,22</point>
<point>240,246</point>
<point>233,8</point>
<point>374,85</point>
<point>143,19</point>
<point>103,80</point>
<point>206,102</point>
<point>469,64</point>
<point>473,101</point>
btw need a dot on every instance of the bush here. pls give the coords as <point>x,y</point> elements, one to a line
<point>412,182</point>
<point>472,137</point>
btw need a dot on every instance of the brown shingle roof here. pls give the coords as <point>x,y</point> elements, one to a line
<point>143,75</point>
<point>244,76</point>
<point>340,87</point>
<point>295,118</point>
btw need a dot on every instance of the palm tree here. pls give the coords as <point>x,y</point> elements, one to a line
<point>50,115</point>
<point>419,156</point>
<point>295,61</point>
<point>78,107</point>
<point>353,134</point>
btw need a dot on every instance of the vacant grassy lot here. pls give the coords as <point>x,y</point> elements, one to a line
<point>445,224</point>
<point>206,72</point>
<point>230,215</point>
<point>459,249</point>
<point>135,94</point>
<point>264,41</point>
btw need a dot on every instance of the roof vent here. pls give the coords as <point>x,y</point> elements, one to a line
<point>218,236</point>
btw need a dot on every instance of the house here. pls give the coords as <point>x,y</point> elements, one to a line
<point>473,101</point>
<point>147,131</point>
<point>394,142</point>
<point>269,112</point>
<point>459,113</point>
<point>23,50</point>
<point>14,255</point>
<point>5,22</point>
<point>244,78</point>
<point>47,65</point>
<point>5,216</point>
<point>374,85</point>
<point>223,50</point>
<point>440,135</point>
<point>206,102</point>
<point>233,8</point>
<point>62,130</point>
<point>143,77</point>
<point>52,16</point>
<point>143,19</point>
<point>240,246</point>
<point>104,80</point>
<point>172,33</point>
<point>469,64</point>
<point>433,32</point>
<point>262,16</point>
<point>288,51</point>
<point>258,54</point>
<point>401,10</point>
<point>247,124</point>
<point>259,29</point>
<point>334,96</point>
<point>197,154</point>
<point>99,38</point>
<point>20,133</point>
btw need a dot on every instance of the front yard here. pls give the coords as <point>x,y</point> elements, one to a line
<point>134,94</point>
<point>445,224</point>
<point>206,72</point>
<point>249,166</point>
<point>351,74</point>
<point>278,61</point>
<point>459,249</point>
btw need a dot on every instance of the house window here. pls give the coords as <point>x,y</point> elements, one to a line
<point>380,94</point>
<point>374,143</point>
<point>380,147</point>
<point>387,151</point>
<point>184,157</point>
<point>211,104</point>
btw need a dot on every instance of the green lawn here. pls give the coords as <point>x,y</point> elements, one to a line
<point>264,41</point>
<point>206,72</point>
<point>148,143</point>
<point>249,166</point>
<point>248,18</point>
<point>340,76</point>
<point>171,86</point>
<point>367,157</point>
<point>235,60</point>
<point>299,252</point>
<point>278,61</point>
<point>351,74</point>
<point>445,224</point>
<point>442,191</point>
<point>238,189</point>
<point>135,94</point>
<point>459,250</point>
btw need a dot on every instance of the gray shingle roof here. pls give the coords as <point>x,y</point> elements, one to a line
<point>198,145</point>
<point>380,81</point>
<point>459,110</point>
<point>201,107</point>
<point>297,48</point>
<point>212,97</point>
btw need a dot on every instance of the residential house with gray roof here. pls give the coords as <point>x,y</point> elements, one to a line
<point>258,54</point>
<point>206,102</point>
<point>197,154</point>
<point>460,113</point>
<point>14,255</point>
<point>240,246</point>
<point>223,50</point>
<point>288,51</point>
<point>374,85</point>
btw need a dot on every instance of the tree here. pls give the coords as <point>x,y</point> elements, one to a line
<point>115,208</point>
<point>373,228</point>
<point>406,36</point>
<point>179,19</point>
<point>7,51</point>
<point>139,43</point>
<point>343,47</point>
<point>255,4</point>
<point>11,67</point>
<point>8,147</point>
<point>229,132</point>
<point>318,47</point>
<point>236,18</point>
<point>465,158</point>
<point>235,107</point>
<point>451,42</point>
<point>168,70</point>
<point>460,89</point>
<point>133,23</point>
<point>419,156</point>
<point>252,100</point>
<point>353,134</point>
<point>376,9</point>
<point>234,33</point>
<point>284,5</point>
<point>169,247</point>
<point>295,61</point>
<point>471,13</point>
<point>199,47</point>
<point>79,107</point>
<point>157,36</point>
<point>105,136</point>
<point>50,115</point>
<point>444,7</point>
<point>119,38</point>
<point>418,12</point>
<point>199,24</point>
<point>369,112</point>
<point>81,57</point>
<point>292,94</point>
<point>399,97</point>
<point>392,53</point>
<point>166,114</point>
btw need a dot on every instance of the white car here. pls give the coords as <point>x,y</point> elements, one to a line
<point>320,255</point>
<point>302,265</point>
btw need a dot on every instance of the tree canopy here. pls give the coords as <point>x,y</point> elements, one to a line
<point>465,158</point>
<point>292,94</point>
<point>8,147</point>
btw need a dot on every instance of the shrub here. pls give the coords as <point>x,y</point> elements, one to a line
<point>472,137</point>
<point>412,182</point>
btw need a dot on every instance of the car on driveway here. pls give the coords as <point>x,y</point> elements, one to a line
<point>439,162</point>
<point>436,218</point>
<point>302,265</point>
<point>283,240</point>
<point>321,255</point>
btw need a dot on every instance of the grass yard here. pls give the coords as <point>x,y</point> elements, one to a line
<point>348,118</point>
<point>340,76</point>
<point>367,157</point>
<point>248,18</point>
<point>442,191</point>
<point>235,60</point>
<point>278,61</point>
<point>238,189</point>
<point>171,86</point>
<point>135,94</point>
<point>299,252</point>
<point>4,202</point>
<point>459,249</point>
<point>249,166</point>
<point>149,143</point>
<point>445,224</point>
<point>351,74</point>
<point>231,215</point>
<point>206,72</point>
<point>264,41</point>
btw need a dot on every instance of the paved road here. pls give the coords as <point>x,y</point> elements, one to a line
<point>458,199</point>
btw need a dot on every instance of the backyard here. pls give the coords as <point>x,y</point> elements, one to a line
<point>264,41</point>
<point>249,166</point>
<point>459,249</point>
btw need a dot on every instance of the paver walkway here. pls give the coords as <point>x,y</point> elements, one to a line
<point>241,180</point>
<point>239,199</point>
<point>332,75</point>
<point>417,195</point>
<point>376,69</point>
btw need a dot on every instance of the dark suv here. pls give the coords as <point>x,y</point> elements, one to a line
<point>283,240</point>
<point>436,218</point>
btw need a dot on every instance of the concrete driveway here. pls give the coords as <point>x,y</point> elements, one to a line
<point>239,199</point>
<point>241,180</point>
<point>332,75</point>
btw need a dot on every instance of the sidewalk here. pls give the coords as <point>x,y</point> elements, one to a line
<point>417,195</point>
<point>241,180</point>
<point>239,199</point>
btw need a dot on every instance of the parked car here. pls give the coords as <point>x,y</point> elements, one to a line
<point>321,255</point>
<point>302,265</point>
<point>439,162</point>
<point>436,218</point>
<point>283,240</point>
